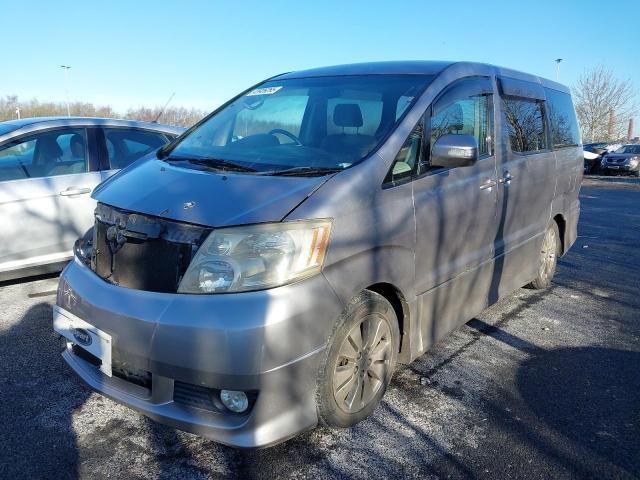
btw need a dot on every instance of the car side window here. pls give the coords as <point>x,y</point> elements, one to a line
<point>467,114</point>
<point>562,117</point>
<point>125,146</point>
<point>525,125</point>
<point>46,154</point>
<point>408,158</point>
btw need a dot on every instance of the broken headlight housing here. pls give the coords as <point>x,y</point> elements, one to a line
<point>83,247</point>
<point>257,257</point>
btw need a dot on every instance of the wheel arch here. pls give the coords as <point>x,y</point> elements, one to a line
<point>401,308</point>
<point>561,222</point>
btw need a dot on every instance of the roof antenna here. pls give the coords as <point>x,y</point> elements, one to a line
<point>164,108</point>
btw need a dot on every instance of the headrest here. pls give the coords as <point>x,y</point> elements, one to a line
<point>77,139</point>
<point>347,115</point>
<point>49,148</point>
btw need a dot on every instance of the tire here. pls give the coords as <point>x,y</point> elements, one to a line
<point>359,362</point>
<point>548,258</point>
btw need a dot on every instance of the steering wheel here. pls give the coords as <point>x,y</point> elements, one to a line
<point>280,131</point>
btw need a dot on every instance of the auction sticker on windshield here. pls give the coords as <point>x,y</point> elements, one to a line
<point>263,91</point>
<point>85,335</point>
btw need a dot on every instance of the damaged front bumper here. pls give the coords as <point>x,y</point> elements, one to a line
<point>173,353</point>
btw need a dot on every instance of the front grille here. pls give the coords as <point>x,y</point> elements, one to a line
<point>142,378</point>
<point>615,160</point>
<point>196,396</point>
<point>143,252</point>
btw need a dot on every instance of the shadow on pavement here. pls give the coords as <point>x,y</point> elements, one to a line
<point>591,395</point>
<point>38,397</point>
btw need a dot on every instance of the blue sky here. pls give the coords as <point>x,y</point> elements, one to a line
<point>126,53</point>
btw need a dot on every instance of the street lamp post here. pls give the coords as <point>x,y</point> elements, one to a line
<point>558,61</point>
<point>66,86</point>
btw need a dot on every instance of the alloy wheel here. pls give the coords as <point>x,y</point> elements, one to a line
<point>548,254</point>
<point>363,364</point>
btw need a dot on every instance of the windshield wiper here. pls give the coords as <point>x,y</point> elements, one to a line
<point>216,163</point>
<point>304,171</point>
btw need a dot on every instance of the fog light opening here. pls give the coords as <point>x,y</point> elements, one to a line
<point>234,400</point>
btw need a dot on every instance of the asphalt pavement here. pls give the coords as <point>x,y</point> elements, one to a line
<point>541,385</point>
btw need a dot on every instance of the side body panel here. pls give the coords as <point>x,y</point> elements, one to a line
<point>43,223</point>
<point>566,203</point>
<point>527,186</point>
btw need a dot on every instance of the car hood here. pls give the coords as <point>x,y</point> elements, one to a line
<point>154,187</point>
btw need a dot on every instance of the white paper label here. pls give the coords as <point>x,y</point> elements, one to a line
<point>263,91</point>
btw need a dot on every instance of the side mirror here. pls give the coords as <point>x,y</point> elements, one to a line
<point>452,150</point>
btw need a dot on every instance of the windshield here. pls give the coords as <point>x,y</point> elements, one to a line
<point>629,149</point>
<point>305,126</point>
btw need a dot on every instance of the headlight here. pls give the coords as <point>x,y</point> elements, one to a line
<point>257,257</point>
<point>633,163</point>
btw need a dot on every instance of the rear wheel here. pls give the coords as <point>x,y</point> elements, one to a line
<point>360,361</point>
<point>548,258</point>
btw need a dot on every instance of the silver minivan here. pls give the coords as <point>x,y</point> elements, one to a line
<point>269,269</point>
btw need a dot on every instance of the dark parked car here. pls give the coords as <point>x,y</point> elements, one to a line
<point>593,153</point>
<point>48,168</point>
<point>625,159</point>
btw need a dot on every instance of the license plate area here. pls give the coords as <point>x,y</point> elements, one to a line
<point>85,336</point>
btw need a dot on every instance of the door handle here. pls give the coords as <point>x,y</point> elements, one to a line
<point>488,185</point>
<point>72,191</point>
<point>506,178</point>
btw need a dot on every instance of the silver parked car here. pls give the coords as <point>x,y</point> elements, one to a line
<point>48,168</point>
<point>268,270</point>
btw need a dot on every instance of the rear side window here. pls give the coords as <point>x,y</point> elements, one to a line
<point>562,116</point>
<point>524,120</point>
<point>125,146</point>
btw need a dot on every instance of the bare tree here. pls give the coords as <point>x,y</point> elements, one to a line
<point>604,104</point>
<point>181,116</point>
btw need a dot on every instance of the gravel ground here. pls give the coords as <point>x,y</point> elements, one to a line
<point>541,385</point>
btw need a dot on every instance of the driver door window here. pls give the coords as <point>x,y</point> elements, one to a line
<point>46,154</point>
<point>464,110</point>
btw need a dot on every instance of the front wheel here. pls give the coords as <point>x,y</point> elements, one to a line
<point>359,362</point>
<point>548,258</point>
